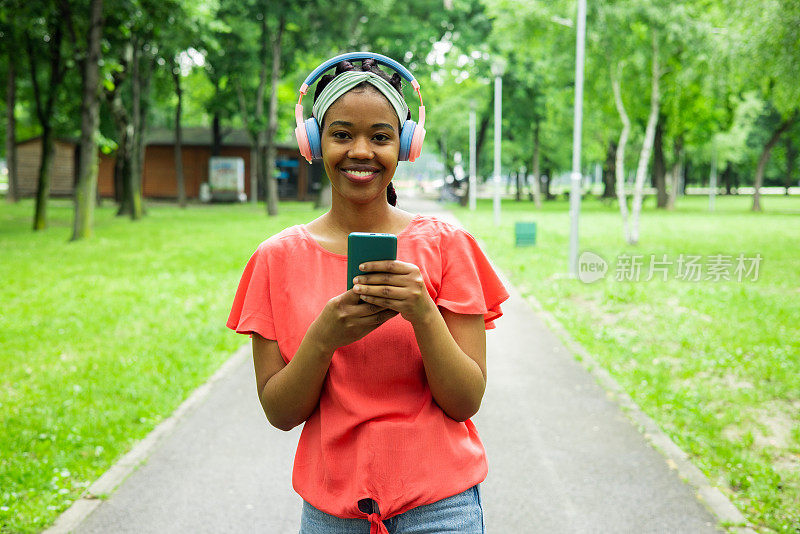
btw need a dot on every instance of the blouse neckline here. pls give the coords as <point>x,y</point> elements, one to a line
<point>318,246</point>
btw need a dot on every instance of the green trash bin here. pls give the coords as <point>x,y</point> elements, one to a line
<point>525,234</point>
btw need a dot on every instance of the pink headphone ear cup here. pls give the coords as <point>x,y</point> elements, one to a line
<point>302,142</point>
<point>416,143</point>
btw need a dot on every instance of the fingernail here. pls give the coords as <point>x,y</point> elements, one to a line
<point>356,288</point>
<point>356,280</point>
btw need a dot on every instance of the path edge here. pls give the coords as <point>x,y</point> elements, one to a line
<point>115,475</point>
<point>728,516</point>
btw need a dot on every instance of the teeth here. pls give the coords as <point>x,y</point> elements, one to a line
<point>360,174</point>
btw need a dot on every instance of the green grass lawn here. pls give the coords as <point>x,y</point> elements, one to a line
<point>102,339</point>
<point>715,363</point>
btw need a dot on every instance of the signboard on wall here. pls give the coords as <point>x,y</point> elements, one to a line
<point>226,179</point>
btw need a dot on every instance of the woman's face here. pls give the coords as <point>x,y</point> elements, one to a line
<point>360,145</point>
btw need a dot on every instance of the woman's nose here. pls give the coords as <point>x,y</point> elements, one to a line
<point>360,149</point>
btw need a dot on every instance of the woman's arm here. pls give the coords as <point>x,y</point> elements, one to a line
<point>453,345</point>
<point>289,393</point>
<point>453,349</point>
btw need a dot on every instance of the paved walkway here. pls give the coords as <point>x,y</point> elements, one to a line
<point>562,456</point>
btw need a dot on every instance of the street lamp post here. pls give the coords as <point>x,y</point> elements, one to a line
<point>575,191</point>
<point>498,68</point>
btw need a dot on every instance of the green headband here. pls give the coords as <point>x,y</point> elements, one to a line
<point>345,81</point>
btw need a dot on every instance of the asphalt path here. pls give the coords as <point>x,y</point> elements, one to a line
<point>563,457</point>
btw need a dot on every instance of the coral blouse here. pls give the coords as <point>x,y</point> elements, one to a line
<point>377,432</point>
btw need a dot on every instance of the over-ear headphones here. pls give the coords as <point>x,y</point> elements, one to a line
<point>308,134</point>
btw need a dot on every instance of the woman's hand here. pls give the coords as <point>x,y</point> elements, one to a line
<point>398,286</point>
<point>345,319</point>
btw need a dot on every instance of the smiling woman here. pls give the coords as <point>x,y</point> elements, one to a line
<point>356,148</point>
<point>382,135</point>
<point>385,376</point>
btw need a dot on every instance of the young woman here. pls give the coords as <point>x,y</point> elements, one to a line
<point>385,376</point>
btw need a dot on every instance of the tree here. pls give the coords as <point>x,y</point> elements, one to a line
<point>137,32</point>
<point>620,155</point>
<point>768,42</point>
<point>179,178</point>
<point>86,185</point>
<point>647,144</point>
<point>185,26</point>
<point>538,85</point>
<point>43,36</point>
<point>241,34</point>
<point>10,33</point>
<point>272,119</point>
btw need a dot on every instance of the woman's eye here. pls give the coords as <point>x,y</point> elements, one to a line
<point>381,137</point>
<point>340,135</point>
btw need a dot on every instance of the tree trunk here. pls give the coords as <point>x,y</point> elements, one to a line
<point>619,165</point>
<point>791,158</point>
<point>518,192</point>
<point>122,167</point>
<point>609,171</point>
<point>257,130</point>
<point>647,147</point>
<point>659,166</point>
<point>726,177</point>
<point>86,186</point>
<point>121,121</point>
<point>131,177</point>
<point>44,111</point>
<point>143,99</point>
<point>272,126</point>
<point>536,184</point>
<point>762,161</point>
<point>216,139</point>
<point>176,76</point>
<point>11,127</point>
<point>676,172</point>
<point>45,175</point>
<point>548,178</point>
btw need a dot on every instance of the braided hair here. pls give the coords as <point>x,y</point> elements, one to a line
<point>367,65</point>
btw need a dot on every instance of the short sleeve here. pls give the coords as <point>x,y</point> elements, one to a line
<point>469,283</point>
<point>252,309</point>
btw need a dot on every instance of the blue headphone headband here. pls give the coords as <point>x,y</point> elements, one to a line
<point>383,60</point>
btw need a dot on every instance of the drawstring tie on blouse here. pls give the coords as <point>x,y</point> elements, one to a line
<point>377,526</point>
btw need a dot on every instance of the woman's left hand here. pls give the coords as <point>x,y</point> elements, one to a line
<point>396,285</point>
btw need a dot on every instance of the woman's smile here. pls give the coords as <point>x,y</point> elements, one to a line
<point>360,176</point>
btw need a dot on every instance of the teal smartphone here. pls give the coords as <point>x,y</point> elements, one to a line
<point>363,247</point>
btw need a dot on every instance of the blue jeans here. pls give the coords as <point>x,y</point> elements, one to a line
<point>459,514</point>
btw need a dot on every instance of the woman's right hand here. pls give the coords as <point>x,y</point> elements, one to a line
<point>345,319</point>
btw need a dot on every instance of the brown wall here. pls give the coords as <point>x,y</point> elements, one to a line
<point>29,159</point>
<point>29,154</point>
<point>158,176</point>
<point>105,175</point>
